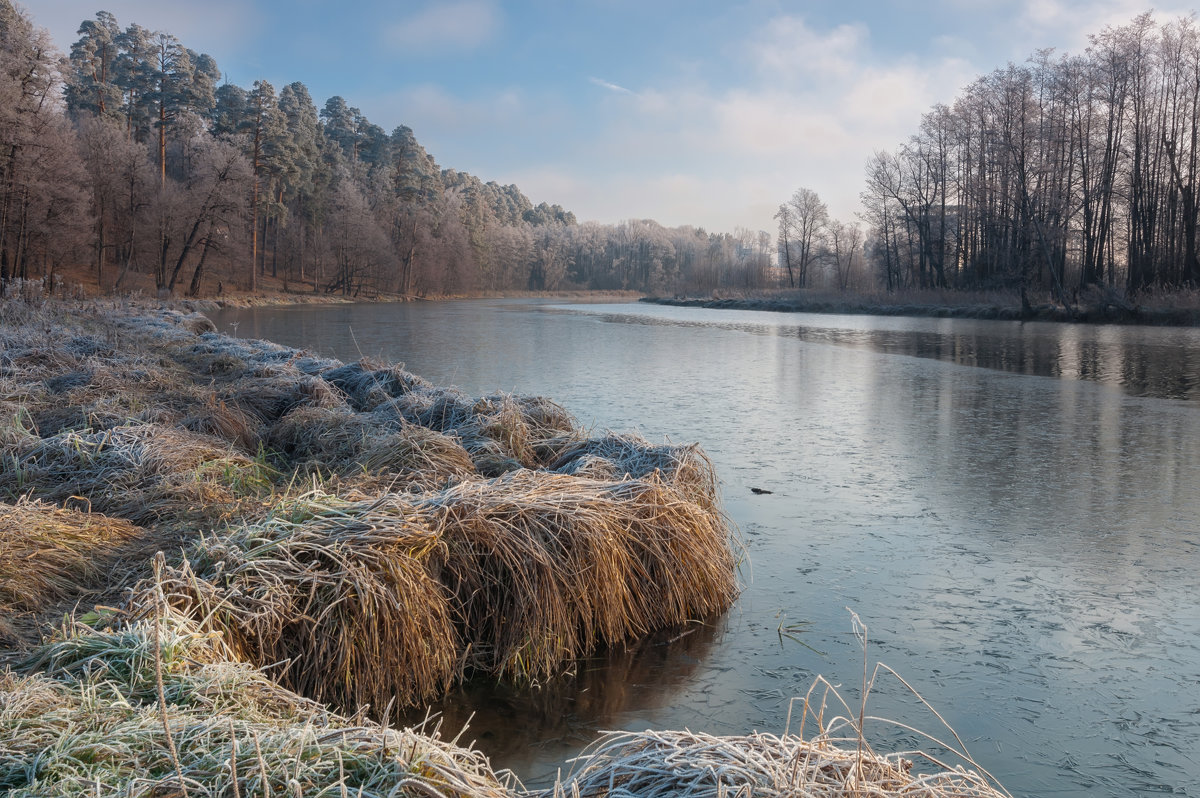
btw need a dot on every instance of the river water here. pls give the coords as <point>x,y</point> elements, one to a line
<point>1013,511</point>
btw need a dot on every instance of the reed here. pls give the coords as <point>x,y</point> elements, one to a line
<point>92,723</point>
<point>453,549</point>
<point>515,577</point>
<point>149,705</point>
<point>615,455</point>
<point>347,443</point>
<point>656,764</point>
<point>546,567</point>
<point>834,761</point>
<point>317,437</point>
<point>336,602</point>
<point>424,458</point>
<point>218,418</point>
<point>48,554</point>
<point>144,473</point>
<point>368,384</point>
<point>267,399</point>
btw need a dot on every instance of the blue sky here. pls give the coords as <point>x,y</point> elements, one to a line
<point>688,112</point>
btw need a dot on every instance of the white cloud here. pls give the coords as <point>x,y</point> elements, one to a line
<point>462,25</point>
<point>809,108</point>
<point>789,50</point>
<point>430,106</point>
<point>1057,23</point>
<point>815,106</point>
<point>604,84</point>
<point>198,31</point>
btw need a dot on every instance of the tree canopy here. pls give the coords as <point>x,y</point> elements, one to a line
<point>1062,172</point>
<point>131,154</point>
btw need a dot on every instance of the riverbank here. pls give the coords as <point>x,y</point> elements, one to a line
<point>333,536</point>
<point>148,416</point>
<point>76,283</point>
<point>1180,309</point>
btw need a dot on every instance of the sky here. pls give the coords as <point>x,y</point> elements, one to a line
<point>684,111</point>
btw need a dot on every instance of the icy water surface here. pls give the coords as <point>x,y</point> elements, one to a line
<point>1012,509</point>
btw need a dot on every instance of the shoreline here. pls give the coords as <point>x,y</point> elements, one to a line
<point>1094,306</point>
<point>273,299</point>
<point>241,545</point>
<point>148,415</point>
<point>1162,317</point>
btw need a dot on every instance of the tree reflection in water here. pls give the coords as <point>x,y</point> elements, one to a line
<point>533,730</point>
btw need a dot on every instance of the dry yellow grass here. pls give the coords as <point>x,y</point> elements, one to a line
<point>546,567</point>
<point>48,554</point>
<point>615,455</point>
<point>324,440</point>
<point>338,605</point>
<point>52,558</point>
<point>389,599</point>
<point>150,708</point>
<point>143,472</point>
<point>370,597</point>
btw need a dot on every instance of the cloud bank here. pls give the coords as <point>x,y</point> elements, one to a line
<point>811,108</point>
<point>438,27</point>
<point>715,126</point>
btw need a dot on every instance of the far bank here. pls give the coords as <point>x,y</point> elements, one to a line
<point>1176,309</point>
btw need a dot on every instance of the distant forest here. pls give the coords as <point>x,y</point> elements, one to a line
<point>130,154</point>
<point>1063,172</point>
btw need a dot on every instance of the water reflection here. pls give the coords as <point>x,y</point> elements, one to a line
<point>532,730</point>
<point>1160,362</point>
<point>1049,577</point>
<point>1145,361</point>
<point>1011,508</point>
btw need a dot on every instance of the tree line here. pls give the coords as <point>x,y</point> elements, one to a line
<point>1064,172</point>
<point>815,250</point>
<point>131,155</point>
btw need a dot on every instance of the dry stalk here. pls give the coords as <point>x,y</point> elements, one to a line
<point>158,672</point>
<point>233,760</point>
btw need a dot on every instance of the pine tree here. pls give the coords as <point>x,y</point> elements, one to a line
<point>134,79</point>
<point>309,178</point>
<point>91,84</point>
<point>266,129</point>
<point>228,112</point>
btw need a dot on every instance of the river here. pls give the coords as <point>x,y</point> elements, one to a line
<point>1013,511</point>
